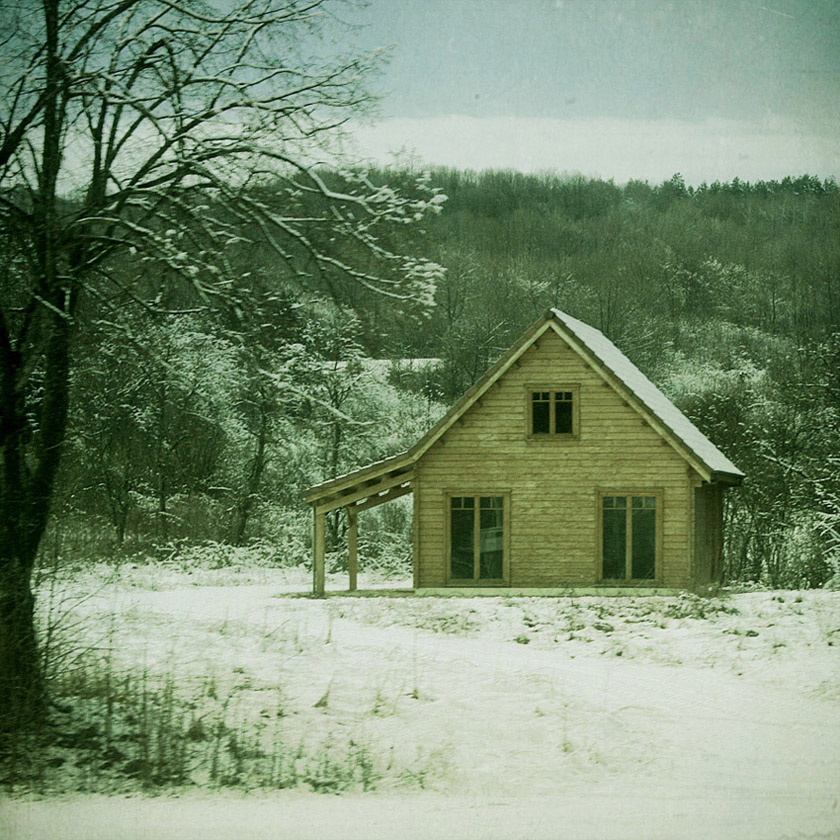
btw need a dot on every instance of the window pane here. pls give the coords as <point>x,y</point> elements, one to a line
<point>638,501</point>
<point>461,531</point>
<point>621,501</point>
<point>644,544</point>
<point>540,418</point>
<point>563,418</point>
<point>455,502</point>
<point>468,502</point>
<point>491,544</point>
<point>615,543</point>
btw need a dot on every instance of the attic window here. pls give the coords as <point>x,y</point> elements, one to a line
<point>553,412</point>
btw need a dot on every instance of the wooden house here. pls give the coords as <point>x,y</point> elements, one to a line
<point>563,466</point>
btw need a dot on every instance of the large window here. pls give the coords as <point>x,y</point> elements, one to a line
<point>629,526</point>
<point>553,412</point>
<point>477,538</point>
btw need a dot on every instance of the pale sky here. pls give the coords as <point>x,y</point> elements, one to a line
<point>612,88</point>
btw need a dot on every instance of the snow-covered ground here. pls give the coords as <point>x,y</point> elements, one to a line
<point>590,717</point>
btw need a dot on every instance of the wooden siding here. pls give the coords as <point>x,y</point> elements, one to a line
<point>554,482</point>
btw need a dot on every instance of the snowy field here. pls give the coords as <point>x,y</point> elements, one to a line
<point>492,717</point>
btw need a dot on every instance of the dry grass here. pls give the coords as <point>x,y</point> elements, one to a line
<point>168,684</point>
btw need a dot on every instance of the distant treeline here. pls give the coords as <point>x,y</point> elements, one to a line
<point>727,295</point>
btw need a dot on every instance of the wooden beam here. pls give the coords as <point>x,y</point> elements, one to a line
<point>395,493</point>
<point>415,540</point>
<point>334,486</point>
<point>318,553</point>
<point>352,546</point>
<point>365,492</point>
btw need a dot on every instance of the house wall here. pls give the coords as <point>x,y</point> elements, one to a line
<point>553,483</point>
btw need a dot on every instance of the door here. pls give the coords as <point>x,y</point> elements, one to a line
<point>629,536</point>
<point>477,539</point>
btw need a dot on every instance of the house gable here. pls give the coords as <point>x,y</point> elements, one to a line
<point>498,415</point>
<point>617,372</point>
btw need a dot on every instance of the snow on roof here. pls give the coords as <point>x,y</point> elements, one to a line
<point>648,394</point>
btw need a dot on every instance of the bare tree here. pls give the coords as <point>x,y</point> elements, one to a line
<point>138,139</point>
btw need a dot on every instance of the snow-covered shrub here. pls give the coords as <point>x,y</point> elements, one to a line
<point>385,539</point>
<point>804,561</point>
<point>190,556</point>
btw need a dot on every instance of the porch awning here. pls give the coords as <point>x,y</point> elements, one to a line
<point>359,490</point>
<point>364,488</point>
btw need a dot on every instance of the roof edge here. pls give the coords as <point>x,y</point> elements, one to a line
<point>733,479</point>
<point>475,392</point>
<point>652,415</point>
<point>341,482</point>
<point>426,441</point>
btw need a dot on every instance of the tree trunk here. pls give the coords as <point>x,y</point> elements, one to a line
<point>24,512</point>
<point>334,520</point>
<point>117,487</point>
<point>21,685</point>
<point>245,504</point>
<point>163,513</point>
<point>30,449</point>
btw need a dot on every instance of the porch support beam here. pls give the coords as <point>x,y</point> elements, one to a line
<point>352,546</point>
<point>318,553</point>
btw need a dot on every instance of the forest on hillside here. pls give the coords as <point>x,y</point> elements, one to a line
<point>195,430</point>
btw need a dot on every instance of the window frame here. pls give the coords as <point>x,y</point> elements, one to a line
<point>659,494</point>
<point>571,387</point>
<point>477,495</point>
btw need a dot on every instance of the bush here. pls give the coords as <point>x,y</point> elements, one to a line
<point>805,565</point>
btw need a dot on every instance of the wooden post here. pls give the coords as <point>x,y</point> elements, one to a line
<point>352,546</point>
<point>318,552</point>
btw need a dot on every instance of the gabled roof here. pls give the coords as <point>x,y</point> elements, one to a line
<point>608,361</point>
<point>611,359</point>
